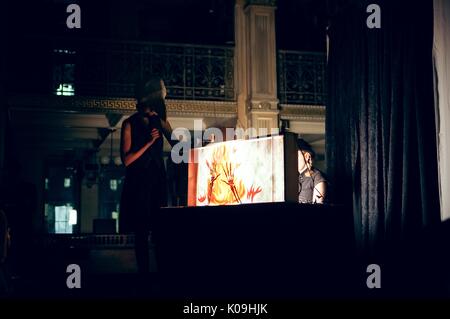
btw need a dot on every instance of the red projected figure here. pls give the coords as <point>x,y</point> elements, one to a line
<point>312,185</point>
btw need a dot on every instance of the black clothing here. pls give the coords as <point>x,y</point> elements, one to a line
<point>306,185</point>
<point>144,190</point>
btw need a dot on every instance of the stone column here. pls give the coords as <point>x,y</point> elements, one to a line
<point>241,64</point>
<point>256,74</point>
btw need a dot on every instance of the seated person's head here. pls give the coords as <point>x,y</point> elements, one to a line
<point>305,155</point>
<point>313,189</point>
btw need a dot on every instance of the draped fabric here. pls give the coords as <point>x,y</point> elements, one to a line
<point>380,121</point>
<point>441,54</point>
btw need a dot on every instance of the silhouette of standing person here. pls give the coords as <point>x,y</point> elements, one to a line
<point>4,246</point>
<point>145,186</point>
<point>19,203</point>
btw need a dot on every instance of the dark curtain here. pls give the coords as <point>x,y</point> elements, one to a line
<point>380,123</point>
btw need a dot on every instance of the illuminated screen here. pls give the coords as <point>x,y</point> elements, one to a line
<point>237,172</point>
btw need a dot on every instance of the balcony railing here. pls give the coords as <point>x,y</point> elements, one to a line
<point>106,68</point>
<point>191,72</point>
<point>301,77</point>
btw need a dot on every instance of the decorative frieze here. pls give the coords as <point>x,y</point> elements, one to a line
<point>302,112</point>
<point>122,105</point>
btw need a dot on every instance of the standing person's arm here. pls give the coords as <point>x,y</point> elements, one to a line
<point>167,131</point>
<point>129,157</point>
<point>166,128</point>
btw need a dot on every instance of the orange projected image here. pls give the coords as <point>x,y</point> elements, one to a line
<point>237,172</point>
<point>223,187</point>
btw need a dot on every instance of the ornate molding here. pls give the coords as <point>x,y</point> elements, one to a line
<point>302,112</point>
<point>74,103</point>
<point>176,108</point>
<point>263,105</point>
<point>122,105</point>
<point>201,108</point>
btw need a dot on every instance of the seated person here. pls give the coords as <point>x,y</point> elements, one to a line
<point>312,185</point>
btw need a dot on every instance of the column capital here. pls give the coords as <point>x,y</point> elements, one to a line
<point>268,3</point>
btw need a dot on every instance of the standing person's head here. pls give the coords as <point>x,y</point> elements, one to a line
<point>305,155</point>
<point>150,95</point>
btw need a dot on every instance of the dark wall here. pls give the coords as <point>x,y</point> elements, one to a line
<point>301,25</point>
<point>34,27</point>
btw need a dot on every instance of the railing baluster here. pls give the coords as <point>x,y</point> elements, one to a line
<point>109,68</point>
<point>301,77</point>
